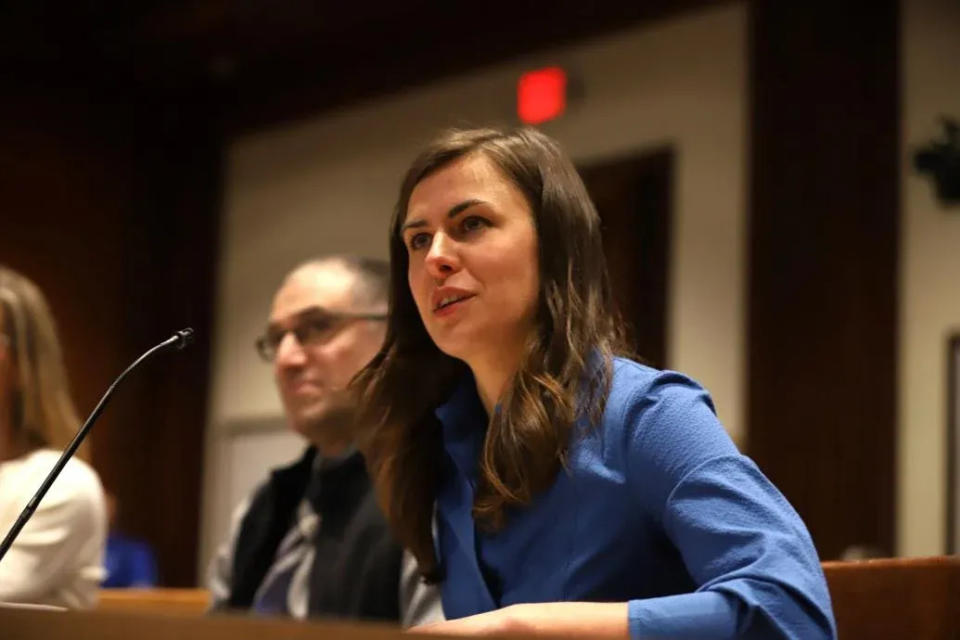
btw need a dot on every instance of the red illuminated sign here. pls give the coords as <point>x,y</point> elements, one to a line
<point>541,95</point>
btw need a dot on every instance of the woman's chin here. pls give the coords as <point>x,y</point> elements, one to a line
<point>458,346</point>
<point>469,345</point>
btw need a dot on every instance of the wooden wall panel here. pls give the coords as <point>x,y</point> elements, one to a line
<point>823,266</point>
<point>111,208</point>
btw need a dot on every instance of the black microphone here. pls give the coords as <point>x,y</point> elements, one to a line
<point>179,341</point>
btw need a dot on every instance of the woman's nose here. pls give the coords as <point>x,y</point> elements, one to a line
<point>442,260</point>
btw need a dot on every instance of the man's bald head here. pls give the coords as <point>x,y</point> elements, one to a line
<point>370,276</point>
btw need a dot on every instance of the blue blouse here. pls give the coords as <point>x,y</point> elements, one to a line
<point>656,508</point>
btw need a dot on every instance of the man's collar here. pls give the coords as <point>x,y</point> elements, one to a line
<point>327,463</point>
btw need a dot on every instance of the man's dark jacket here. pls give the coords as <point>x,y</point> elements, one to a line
<point>356,566</point>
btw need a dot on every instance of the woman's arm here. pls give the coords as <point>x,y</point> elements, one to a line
<point>704,616</point>
<point>749,553</point>
<point>552,619</point>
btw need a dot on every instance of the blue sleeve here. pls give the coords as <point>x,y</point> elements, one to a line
<point>749,553</point>
<point>143,567</point>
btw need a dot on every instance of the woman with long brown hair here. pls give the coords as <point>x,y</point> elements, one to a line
<point>57,557</point>
<point>549,484</point>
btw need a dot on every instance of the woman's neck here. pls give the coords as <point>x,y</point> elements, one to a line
<point>492,376</point>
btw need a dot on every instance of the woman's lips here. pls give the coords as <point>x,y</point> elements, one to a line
<point>451,308</point>
<point>304,387</point>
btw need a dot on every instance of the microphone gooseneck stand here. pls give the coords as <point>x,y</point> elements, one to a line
<point>178,341</point>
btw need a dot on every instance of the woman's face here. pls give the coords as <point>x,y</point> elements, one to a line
<point>473,260</point>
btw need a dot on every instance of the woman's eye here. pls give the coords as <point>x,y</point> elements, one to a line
<point>418,241</point>
<point>473,223</point>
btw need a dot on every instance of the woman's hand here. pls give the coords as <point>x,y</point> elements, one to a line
<point>496,622</point>
<point>550,619</point>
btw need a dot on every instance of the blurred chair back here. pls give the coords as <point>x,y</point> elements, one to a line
<point>896,598</point>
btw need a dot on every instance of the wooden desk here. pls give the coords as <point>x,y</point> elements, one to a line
<point>114,625</point>
<point>187,601</point>
<point>896,598</point>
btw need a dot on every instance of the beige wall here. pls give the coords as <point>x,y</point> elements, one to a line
<point>328,184</point>
<point>929,274</point>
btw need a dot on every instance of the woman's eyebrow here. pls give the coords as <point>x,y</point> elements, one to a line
<point>454,211</point>
<point>463,206</point>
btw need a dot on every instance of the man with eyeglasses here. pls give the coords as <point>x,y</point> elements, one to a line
<point>311,540</point>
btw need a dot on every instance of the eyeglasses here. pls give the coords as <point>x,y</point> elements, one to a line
<point>315,327</point>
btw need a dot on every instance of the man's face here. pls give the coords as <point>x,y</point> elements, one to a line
<point>312,376</point>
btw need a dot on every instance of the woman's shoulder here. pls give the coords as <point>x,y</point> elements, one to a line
<point>658,413</point>
<point>661,425</point>
<point>77,468</point>
<point>634,382</point>
<point>77,480</point>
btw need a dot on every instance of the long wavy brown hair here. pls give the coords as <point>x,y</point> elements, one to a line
<point>42,413</point>
<point>565,371</point>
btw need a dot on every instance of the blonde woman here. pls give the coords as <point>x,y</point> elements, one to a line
<point>57,558</point>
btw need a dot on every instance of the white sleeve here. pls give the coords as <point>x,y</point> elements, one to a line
<point>220,573</point>
<point>419,601</point>
<point>58,555</point>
